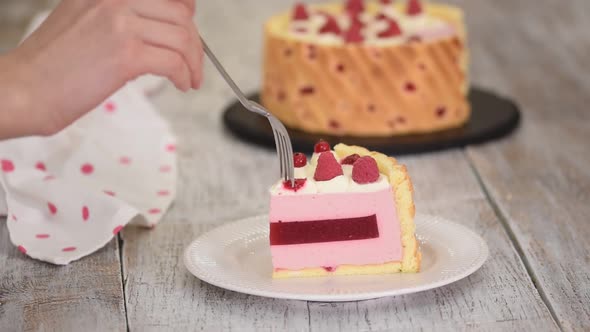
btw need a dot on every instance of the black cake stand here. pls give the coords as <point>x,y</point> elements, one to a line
<point>492,117</point>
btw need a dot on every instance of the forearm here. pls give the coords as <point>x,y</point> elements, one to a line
<point>85,51</point>
<point>16,105</point>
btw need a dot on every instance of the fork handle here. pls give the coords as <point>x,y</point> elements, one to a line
<point>241,96</point>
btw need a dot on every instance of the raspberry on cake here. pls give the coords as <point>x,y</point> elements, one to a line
<point>350,212</point>
<point>392,64</point>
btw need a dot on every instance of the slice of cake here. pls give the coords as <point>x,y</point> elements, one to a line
<point>365,68</point>
<point>350,211</point>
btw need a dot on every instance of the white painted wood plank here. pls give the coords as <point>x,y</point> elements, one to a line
<point>542,189</point>
<point>224,179</point>
<point>539,179</point>
<point>498,296</point>
<point>163,295</point>
<point>86,295</point>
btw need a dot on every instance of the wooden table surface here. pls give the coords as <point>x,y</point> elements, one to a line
<point>527,195</point>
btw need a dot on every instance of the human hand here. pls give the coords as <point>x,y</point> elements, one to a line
<point>86,50</point>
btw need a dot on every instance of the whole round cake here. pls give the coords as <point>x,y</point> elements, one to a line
<point>367,69</point>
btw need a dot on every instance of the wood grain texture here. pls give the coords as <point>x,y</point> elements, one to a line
<point>224,179</point>
<point>86,295</point>
<point>542,190</point>
<point>498,296</point>
<point>540,178</point>
<point>162,295</point>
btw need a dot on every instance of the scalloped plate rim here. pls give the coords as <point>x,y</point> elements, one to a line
<point>193,268</point>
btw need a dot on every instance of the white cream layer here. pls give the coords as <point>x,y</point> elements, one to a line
<point>422,25</point>
<point>342,183</point>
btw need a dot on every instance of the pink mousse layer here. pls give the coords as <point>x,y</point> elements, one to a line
<point>309,207</point>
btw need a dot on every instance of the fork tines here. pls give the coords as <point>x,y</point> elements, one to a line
<point>284,149</point>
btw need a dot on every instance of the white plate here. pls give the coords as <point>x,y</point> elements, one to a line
<point>236,256</point>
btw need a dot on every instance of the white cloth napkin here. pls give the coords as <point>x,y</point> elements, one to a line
<point>67,196</point>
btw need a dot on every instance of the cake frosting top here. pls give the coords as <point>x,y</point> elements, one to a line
<point>326,173</point>
<point>356,24</point>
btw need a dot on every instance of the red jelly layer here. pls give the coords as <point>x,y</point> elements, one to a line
<point>331,230</point>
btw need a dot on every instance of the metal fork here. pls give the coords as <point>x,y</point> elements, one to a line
<point>282,140</point>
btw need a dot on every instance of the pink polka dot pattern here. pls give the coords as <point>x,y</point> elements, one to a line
<point>110,107</point>
<point>52,208</point>
<point>117,229</point>
<point>85,213</point>
<point>40,166</point>
<point>7,165</point>
<point>124,160</point>
<point>154,211</point>
<point>87,169</point>
<point>59,189</point>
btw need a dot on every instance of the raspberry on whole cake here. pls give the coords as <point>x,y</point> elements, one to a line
<point>351,211</point>
<point>367,68</point>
